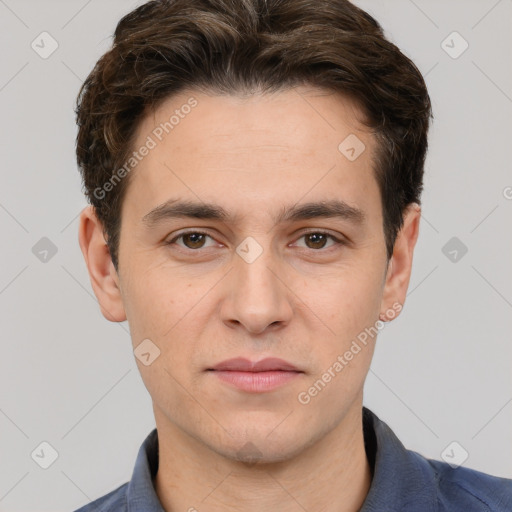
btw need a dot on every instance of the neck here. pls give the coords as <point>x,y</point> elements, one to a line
<point>332,474</point>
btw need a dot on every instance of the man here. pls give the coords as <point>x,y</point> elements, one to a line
<point>255,170</point>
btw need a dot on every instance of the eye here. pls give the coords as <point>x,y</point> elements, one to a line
<point>192,240</point>
<point>317,240</point>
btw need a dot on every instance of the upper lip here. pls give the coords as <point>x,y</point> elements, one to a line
<point>268,364</point>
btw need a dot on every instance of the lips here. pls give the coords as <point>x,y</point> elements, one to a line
<point>269,364</point>
<point>255,377</point>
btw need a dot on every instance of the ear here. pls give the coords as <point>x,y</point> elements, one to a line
<point>102,273</point>
<point>400,265</point>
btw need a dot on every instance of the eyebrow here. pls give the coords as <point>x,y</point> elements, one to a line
<point>175,208</point>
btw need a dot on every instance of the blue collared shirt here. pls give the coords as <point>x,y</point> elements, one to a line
<point>402,480</point>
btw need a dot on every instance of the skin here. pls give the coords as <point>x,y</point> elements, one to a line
<point>201,303</point>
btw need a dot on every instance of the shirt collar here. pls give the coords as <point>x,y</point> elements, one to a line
<point>400,478</point>
<point>140,494</point>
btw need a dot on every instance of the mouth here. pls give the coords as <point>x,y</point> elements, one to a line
<point>255,377</point>
<point>240,364</point>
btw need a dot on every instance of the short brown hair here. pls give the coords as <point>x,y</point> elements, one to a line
<point>237,46</point>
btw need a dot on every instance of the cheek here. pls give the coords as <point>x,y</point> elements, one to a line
<point>344,356</point>
<point>155,294</point>
<point>352,301</point>
<point>171,311</point>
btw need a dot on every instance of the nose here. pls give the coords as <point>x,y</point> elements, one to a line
<point>257,295</point>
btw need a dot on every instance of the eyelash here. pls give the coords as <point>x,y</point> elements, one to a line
<point>337,241</point>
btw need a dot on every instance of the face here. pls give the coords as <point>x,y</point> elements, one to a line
<point>250,268</point>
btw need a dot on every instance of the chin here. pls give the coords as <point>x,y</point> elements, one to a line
<point>259,449</point>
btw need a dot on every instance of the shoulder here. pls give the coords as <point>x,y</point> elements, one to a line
<point>412,482</point>
<point>470,490</point>
<point>114,501</point>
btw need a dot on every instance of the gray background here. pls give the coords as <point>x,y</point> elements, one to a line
<point>441,371</point>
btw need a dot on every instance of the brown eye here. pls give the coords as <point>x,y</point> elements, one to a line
<point>317,240</point>
<point>191,240</point>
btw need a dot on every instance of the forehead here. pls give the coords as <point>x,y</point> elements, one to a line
<point>298,117</point>
<point>286,145</point>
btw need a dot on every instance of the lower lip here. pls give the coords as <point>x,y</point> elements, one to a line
<point>256,382</point>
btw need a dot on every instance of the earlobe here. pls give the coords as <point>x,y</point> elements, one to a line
<point>400,264</point>
<point>102,274</point>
